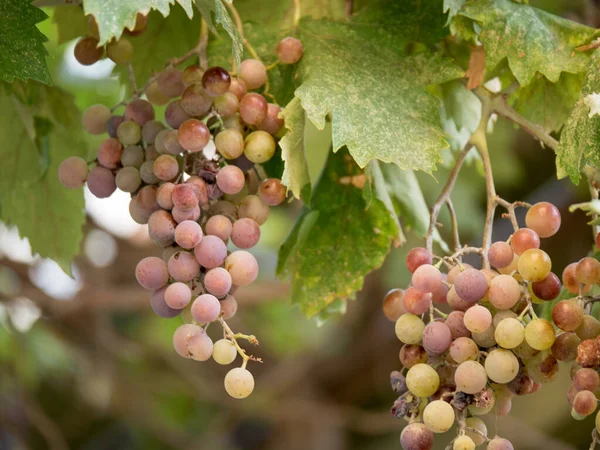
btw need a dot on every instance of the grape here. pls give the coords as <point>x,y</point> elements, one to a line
<point>411,355</point>
<point>183,266</point>
<point>589,328</point>
<point>477,319</point>
<point>509,333</point>
<point>87,51</point>
<point>440,294</point>
<point>175,115</point>
<point>165,167</point>
<point>192,74</point>
<point>129,132</point>
<point>140,111</point>
<point>160,139</point>
<point>151,153</point>
<point>503,405</point>
<point>289,50</point>
<point>147,173</point>
<point>181,215</point>
<point>543,368</point>
<point>73,172</point>
<point>253,72</point>
<point>565,347</point>
<point>128,179</point>
<point>259,147</point>
<point>253,108</point>
<point>477,424</point>
<point>567,315</point>
<point>511,268</point>
<point>500,254</point>
<point>238,87</point>
<point>170,82</point>
<point>436,338</point>
<point>161,228</point>
<point>230,180</point>
<point>184,196</point>
<point>147,198</point>
<point>523,240</point>
<point>219,226</point>
<point>101,182</point>
<point>120,52</point>
<point>195,101</point>
<point>570,281</point>
<point>584,404</point>
<point>426,278</point>
<point>457,303</point>
<point>586,379</point>
<point>471,285</point>
<point>182,336</point>
<point>206,308</point>
<point>501,365</point>
<point>229,307</point>
<point>95,119</point>
<point>470,377</point>
<point>416,302</point>
<point>154,95</point>
<point>245,233</point>
<point>239,383</point>
<point>416,436</point>
<point>224,352</point>
<point>438,416</point>
<point>170,251</point>
<point>455,321</point>
<point>151,273</point>
<point>216,81</point>
<point>272,123</point>
<point>178,295</point>
<point>132,156</point>
<point>409,328</point>
<point>193,135</point>
<point>200,189</point>
<point>218,281</point>
<point>252,207</point>
<point>242,266</point>
<point>393,306</point>
<point>500,444</point>
<point>109,153</point>
<point>453,273</point>
<point>164,195</point>
<point>539,334</point>
<point>113,124</point>
<point>188,234</point>
<point>227,105</point>
<point>171,143</point>
<point>485,338</point>
<point>548,288</point>
<point>159,305</point>
<point>464,349</point>
<point>504,292</point>
<point>501,315</point>
<point>544,219</point>
<point>210,252</point>
<point>141,21</point>
<point>230,143</point>
<point>525,351</point>
<point>534,265</point>
<point>463,443</point>
<point>200,346</point>
<point>587,271</point>
<point>150,130</point>
<point>422,380</point>
<point>272,191</point>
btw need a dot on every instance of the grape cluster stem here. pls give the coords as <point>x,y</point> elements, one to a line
<point>233,337</point>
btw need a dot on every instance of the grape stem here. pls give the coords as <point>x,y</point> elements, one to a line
<point>510,208</point>
<point>233,337</point>
<point>594,439</point>
<point>454,222</point>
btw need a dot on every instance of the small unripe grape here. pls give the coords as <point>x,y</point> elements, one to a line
<point>175,115</point>
<point>73,172</point>
<point>272,123</point>
<point>224,352</point>
<point>438,416</point>
<point>140,111</point>
<point>259,147</point>
<point>501,365</point>
<point>95,119</point>
<point>128,179</point>
<point>422,380</point>
<point>178,295</point>
<point>548,288</point>
<point>587,271</point>
<point>289,50</point>
<point>253,72</point>
<point>253,108</point>
<point>165,167</point>
<point>210,252</point>
<point>230,143</point>
<point>154,95</point>
<point>129,132</point>
<point>120,52</point>
<point>272,191</point>
<point>101,182</point>
<point>206,308</point>
<point>539,334</point>
<point>109,153</point>
<point>151,153</point>
<point>523,240</point>
<point>509,333</point>
<point>416,436</point>
<point>147,173</point>
<point>500,254</point>
<point>239,383</point>
<point>151,273</point>
<point>470,377</point>
<point>87,51</point>
<point>534,265</point>
<point>567,315</point>
<point>544,219</point>
<point>409,328</point>
<point>242,266</point>
<point>193,135</point>
<point>170,82</point>
<point>192,74</point>
<point>216,81</point>
<point>463,442</point>
<point>132,156</point>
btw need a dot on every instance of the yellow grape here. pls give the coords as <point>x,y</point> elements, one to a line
<point>422,380</point>
<point>539,334</point>
<point>534,265</point>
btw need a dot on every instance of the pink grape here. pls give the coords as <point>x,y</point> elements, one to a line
<point>417,257</point>
<point>504,292</point>
<point>471,285</point>
<point>195,101</point>
<point>193,135</point>
<point>477,319</point>
<point>161,228</point>
<point>272,123</point>
<point>150,130</point>
<point>200,189</point>
<point>188,234</point>
<point>243,267</point>
<point>229,307</point>
<point>164,195</point>
<point>227,105</point>
<point>500,254</point>
<point>544,219</point>
<point>238,87</point>
<point>290,50</point>
<point>210,252</point>
<point>231,180</point>
<point>178,295</point>
<point>427,278</point>
<point>253,108</point>
<point>165,167</point>
<point>170,82</point>
<point>500,444</point>
<point>73,172</point>
<point>206,308</point>
<point>415,301</point>
<point>151,272</point>
<point>523,240</point>
<point>416,436</point>
<point>186,214</point>
<point>245,233</point>
<point>253,72</point>
<point>456,302</point>
<point>219,226</point>
<point>456,324</point>
<point>184,197</point>
<point>109,153</point>
<point>175,115</point>
<point>436,338</point>
<point>183,266</point>
<point>159,305</point>
<point>140,111</point>
<point>95,119</point>
<point>101,182</point>
<point>272,191</point>
<point>191,341</point>
<point>218,281</point>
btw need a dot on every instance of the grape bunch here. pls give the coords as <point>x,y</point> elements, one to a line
<point>490,346</point>
<point>195,182</point>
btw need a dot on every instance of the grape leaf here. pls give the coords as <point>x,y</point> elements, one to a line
<point>295,175</point>
<point>215,13</point>
<point>337,242</point>
<point>113,16</point>
<point>580,138</point>
<point>164,38</point>
<point>548,104</point>
<point>532,40</point>
<point>22,51</point>
<point>32,198</point>
<point>380,111</point>
<point>452,7</point>
<point>70,22</point>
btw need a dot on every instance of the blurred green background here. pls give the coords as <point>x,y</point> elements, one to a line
<point>85,364</point>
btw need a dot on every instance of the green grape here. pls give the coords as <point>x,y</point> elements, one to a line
<point>252,207</point>
<point>147,173</point>
<point>129,133</point>
<point>534,265</point>
<point>501,365</point>
<point>259,147</point>
<point>154,95</point>
<point>539,334</point>
<point>230,143</point>
<point>224,352</point>
<point>463,442</point>
<point>422,380</point>
<point>128,179</point>
<point>227,104</point>
<point>438,416</point>
<point>132,156</point>
<point>409,329</point>
<point>509,333</point>
<point>239,383</point>
<point>120,52</point>
<point>485,338</point>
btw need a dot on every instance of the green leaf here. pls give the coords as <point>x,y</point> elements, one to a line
<point>295,175</point>
<point>580,139</point>
<point>337,242</point>
<point>70,22</point>
<point>164,38</point>
<point>380,111</point>
<point>22,51</point>
<point>42,128</point>
<point>215,13</point>
<point>452,7</point>
<point>548,104</point>
<point>113,16</point>
<point>532,40</point>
